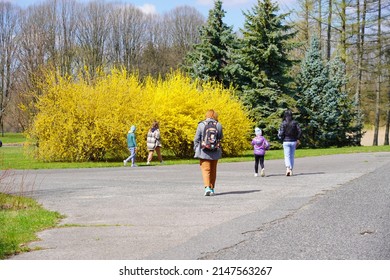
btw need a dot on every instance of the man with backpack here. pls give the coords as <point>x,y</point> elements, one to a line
<point>207,147</point>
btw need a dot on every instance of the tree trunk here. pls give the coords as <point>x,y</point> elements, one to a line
<point>379,78</point>
<point>329,32</point>
<point>386,142</point>
<point>320,22</point>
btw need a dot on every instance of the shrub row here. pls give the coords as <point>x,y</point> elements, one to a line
<point>83,120</point>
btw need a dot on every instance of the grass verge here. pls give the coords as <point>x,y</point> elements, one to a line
<point>15,157</point>
<point>20,219</point>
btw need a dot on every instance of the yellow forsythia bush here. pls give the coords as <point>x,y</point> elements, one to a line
<point>81,121</point>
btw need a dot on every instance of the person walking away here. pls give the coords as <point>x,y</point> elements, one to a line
<point>207,147</point>
<point>153,142</point>
<point>260,145</point>
<point>132,146</point>
<point>289,133</point>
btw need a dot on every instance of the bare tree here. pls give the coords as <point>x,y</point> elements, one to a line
<point>379,75</point>
<point>361,30</point>
<point>66,36</point>
<point>94,27</point>
<point>183,24</point>
<point>128,36</point>
<point>329,30</point>
<point>8,47</point>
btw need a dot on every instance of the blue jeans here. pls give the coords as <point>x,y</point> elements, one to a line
<point>132,155</point>
<point>289,153</point>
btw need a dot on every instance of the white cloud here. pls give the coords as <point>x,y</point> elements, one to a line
<point>148,9</point>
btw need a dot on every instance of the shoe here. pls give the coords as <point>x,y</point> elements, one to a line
<point>262,173</point>
<point>124,162</point>
<point>212,192</point>
<point>148,163</point>
<point>291,172</point>
<point>207,191</point>
<point>288,171</point>
<point>256,175</point>
<point>134,165</point>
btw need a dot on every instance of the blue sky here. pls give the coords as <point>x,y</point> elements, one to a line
<point>233,8</point>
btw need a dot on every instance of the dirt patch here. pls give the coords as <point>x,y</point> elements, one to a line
<point>368,137</point>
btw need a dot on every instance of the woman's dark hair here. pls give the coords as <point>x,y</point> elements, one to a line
<point>288,116</point>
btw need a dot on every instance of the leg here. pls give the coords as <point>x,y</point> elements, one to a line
<point>132,156</point>
<point>213,173</point>
<point>286,149</point>
<point>292,153</point>
<point>287,161</point>
<point>257,159</point>
<point>150,156</point>
<point>205,167</point>
<point>262,162</point>
<point>158,150</point>
<point>129,158</point>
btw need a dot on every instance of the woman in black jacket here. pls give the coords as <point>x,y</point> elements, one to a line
<point>289,133</point>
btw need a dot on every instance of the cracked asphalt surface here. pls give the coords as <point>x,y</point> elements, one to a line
<point>334,207</point>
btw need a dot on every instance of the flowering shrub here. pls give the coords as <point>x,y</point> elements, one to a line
<point>80,120</point>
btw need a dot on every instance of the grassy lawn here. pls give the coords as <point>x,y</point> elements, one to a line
<point>15,156</point>
<point>20,219</point>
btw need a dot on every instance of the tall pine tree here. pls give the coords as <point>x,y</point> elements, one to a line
<point>211,58</point>
<point>327,114</point>
<point>265,65</point>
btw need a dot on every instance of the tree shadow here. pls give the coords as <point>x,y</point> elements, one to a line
<point>238,192</point>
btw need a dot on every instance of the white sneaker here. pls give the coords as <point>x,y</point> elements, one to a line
<point>256,174</point>
<point>124,162</point>
<point>148,163</point>
<point>262,173</point>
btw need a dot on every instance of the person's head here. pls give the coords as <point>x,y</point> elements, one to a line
<point>288,116</point>
<point>258,131</point>
<point>155,125</point>
<point>211,114</point>
<point>132,128</point>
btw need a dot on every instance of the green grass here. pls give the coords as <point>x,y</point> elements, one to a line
<point>20,219</point>
<point>17,157</point>
<point>12,138</point>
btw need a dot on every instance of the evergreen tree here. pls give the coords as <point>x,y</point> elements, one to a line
<point>265,65</point>
<point>327,114</point>
<point>211,57</point>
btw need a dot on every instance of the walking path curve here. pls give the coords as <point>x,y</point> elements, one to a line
<point>154,212</point>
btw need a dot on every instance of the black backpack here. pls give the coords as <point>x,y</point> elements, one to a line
<point>210,139</point>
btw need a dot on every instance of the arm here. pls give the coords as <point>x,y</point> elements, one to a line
<point>198,136</point>
<point>281,131</point>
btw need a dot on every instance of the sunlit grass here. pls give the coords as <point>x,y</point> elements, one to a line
<point>19,157</point>
<point>20,219</point>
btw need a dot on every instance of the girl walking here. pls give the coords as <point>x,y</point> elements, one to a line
<point>260,145</point>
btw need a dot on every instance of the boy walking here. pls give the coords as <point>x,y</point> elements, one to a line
<point>132,146</point>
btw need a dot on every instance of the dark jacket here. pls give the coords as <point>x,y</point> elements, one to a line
<point>289,131</point>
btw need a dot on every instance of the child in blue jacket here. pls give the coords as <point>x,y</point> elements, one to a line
<point>132,146</point>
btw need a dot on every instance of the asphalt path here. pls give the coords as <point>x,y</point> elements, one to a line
<point>334,207</point>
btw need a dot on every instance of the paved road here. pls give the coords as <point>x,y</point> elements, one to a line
<point>335,207</point>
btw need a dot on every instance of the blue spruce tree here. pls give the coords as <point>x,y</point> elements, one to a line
<point>327,114</point>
